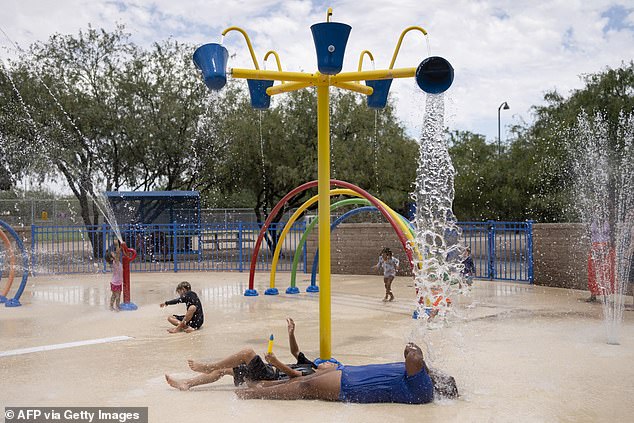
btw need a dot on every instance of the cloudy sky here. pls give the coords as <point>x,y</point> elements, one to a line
<point>501,50</point>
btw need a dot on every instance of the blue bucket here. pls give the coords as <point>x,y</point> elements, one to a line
<point>330,43</point>
<point>378,99</point>
<point>259,98</point>
<point>434,75</point>
<point>211,59</point>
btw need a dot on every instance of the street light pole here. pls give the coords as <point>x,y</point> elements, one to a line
<point>504,106</point>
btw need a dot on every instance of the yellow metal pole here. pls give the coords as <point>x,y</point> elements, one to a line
<point>287,87</point>
<point>323,212</point>
<point>272,75</point>
<point>351,86</point>
<point>374,75</point>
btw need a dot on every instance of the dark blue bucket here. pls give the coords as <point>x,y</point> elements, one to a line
<point>330,43</point>
<point>434,75</point>
<point>378,99</point>
<point>257,89</point>
<point>211,59</point>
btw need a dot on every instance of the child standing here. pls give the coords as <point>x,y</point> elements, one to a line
<point>116,284</point>
<point>390,266</point>
<point>469,267</point>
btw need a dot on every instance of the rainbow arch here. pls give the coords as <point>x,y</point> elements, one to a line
<point>292,289</point>
<point>278,249</point>
<point>402,231</point>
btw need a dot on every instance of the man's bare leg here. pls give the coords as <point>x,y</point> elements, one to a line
<point>325,387</point>
<point>173,320</point>
<point>234,360</point>
<point>205,378</point>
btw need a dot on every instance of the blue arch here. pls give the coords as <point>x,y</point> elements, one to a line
<point>15,301</point>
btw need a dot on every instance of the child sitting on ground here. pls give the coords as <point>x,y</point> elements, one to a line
<point>193,318</point>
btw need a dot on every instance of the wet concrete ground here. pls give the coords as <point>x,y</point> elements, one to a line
<point>519,353</point>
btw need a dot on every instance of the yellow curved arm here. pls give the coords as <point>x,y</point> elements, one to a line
<point>246,37</point>
<point>363,53</point>
<point>400,40</point>
<point>328,14</point>
<point>277,58</point>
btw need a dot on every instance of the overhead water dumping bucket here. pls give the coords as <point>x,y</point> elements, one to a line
<point>434,75</point>
<point>381,88</point>
<point>330,43</point>
<point>211,59</point>
<point>259,98</point>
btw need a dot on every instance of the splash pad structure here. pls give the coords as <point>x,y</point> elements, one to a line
<point>15,301</point>
<point>401,226</point>
<point>433,75</point>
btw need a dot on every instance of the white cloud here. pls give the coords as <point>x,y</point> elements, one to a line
<point>501,50</point>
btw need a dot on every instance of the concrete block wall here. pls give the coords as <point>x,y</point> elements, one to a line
<point>560,255</point>
<point>355,248</point>
<point>560,252</point>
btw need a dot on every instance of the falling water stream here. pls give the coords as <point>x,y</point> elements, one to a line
<point>437,270</point>
<point>376,150</point>
<point>264,182</point>
<point>604,188</point>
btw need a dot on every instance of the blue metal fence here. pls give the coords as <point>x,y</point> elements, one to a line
<point>500,250</point>
<point>167,247</point>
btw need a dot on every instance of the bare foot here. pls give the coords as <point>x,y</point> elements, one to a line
<point>174,330</point>
<point>200,367</point>
<point>180,385</point>
<point>189,330</point>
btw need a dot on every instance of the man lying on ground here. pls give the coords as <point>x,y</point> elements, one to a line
<point>405,382</point>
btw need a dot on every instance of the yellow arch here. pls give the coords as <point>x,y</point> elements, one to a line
<point>313,200</point>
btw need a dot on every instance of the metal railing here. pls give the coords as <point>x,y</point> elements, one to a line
<point>501,250</point>
<point>169,247</point>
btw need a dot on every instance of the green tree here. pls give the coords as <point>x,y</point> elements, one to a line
<point>106,114</point>
<point>65,90</point>
<point>477,175</point>
<point>544,148</point>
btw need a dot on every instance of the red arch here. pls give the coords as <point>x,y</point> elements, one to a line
<point>312,184</point>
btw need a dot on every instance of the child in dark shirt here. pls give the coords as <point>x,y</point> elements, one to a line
<point>193,318</point>
<point>469,269</point>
